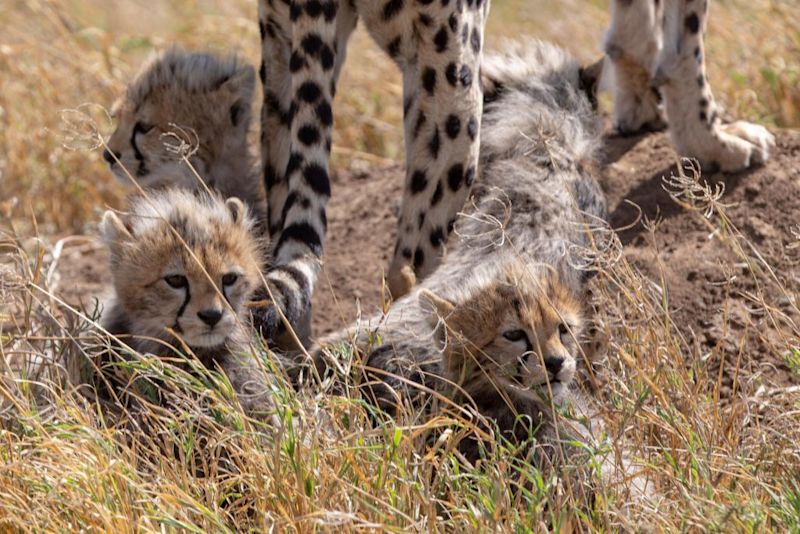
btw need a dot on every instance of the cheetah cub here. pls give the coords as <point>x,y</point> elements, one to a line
<point>510,348</point>
<point>205,101</point>
<point>511,280</point>
<point>183,266</point>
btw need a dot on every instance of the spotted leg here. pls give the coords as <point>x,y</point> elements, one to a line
<point>299,47</point>
<point>695,125</point>
<point>439,52</point>
<point>632,44</point>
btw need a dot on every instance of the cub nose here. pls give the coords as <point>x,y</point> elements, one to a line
<point>210,317</point>
<point>553,364</point>
<point>109,157</point>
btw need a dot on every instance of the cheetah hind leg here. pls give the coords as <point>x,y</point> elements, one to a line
<point>695,126</point>
<point>631,45</point>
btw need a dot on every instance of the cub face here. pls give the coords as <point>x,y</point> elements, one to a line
<point>183,262</point>
<point>203,99</point>
<point>517,337</point>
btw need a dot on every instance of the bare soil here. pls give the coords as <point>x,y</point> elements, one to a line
<point>711,306</point>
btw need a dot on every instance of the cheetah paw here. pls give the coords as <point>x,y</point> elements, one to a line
<point>741,145</point>
<point>401,281</point>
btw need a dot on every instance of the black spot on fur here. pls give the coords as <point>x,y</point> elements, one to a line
<point>312,43</point>
<point>393,48</point>
<point>450,225</point>
<point>326,57</point>
<point>453,126</point>
<point>434,144</point>
<point>329,8</point>
<point>692,23</point>
<point>302,233</point>
<point>418,182</point>
<point>437,194</point>
<point>475,40</point>
<point>317,179</point>
<point>451,73</point>
<point>262,73</point>
<point>313,8</point>
<point>295,161</point>
<point>440,39</point>
<point>469,176</point>
<point>452,21</point>
<point>472,128</point>
<point>270,178</point>
<point>296,62</point>
<point>392,8</point>
<point>465,34</point>
<point>406,253</point>
<point>703,117</point>
<point>308,134</point>
<point>309,92</point>
<point>429,80</point>
<point>703,102</point>
<point>295,10</point>
<point>262,29</point>
<point>455,176</point>
<point>425,20</point>
<point>324,113</point>
<point>419,258</point>
<point>421,220</point>
<point>437,237</point>
<point>465,75</point>
<point>701,80</point>
<point>421,119</point>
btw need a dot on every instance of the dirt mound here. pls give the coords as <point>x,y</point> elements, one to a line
<point>711,305</point>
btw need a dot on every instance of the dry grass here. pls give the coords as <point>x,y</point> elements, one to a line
<point>68,462</point>
<point>59,55</point>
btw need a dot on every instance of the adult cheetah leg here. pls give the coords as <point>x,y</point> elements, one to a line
<point>632,44</point>
<point>296,161</point>
<point>695,125</point>
<point>276,111</point>
<point>443,101</point>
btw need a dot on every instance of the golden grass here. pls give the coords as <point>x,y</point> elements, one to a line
<point>70,460</point>
<point>68,463</point>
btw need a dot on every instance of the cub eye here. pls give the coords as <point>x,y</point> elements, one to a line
<point>176,280</point>
<point>229,279</point>
<point>142,127</point>
<point>514,335</point>
<point>563,332</point>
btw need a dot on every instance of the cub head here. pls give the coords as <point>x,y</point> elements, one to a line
<point>512,337</point>
<point>207,97</point>
<point>185,262</point>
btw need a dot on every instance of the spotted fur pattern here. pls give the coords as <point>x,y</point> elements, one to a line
<point>205,101</point>
<point>437,45</point>
<point>514,262</point>
<point>183,267</point>
<point>657,50</point>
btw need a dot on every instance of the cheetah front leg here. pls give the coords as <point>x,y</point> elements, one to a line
<point>300,53</point>
<point>695,126</point>
<point>443,101</point>
<point>632,44</point>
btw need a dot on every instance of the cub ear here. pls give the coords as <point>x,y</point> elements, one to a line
<point>441,307</point>
<point>240,88</point>
<point>237,210</point>
<point>114,230</point>
<point>589,77</point>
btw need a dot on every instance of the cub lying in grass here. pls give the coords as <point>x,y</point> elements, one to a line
<point>497,325</point>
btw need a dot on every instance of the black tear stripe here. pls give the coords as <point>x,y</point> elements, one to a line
<point>142,169</point>
<point>182,309</point>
